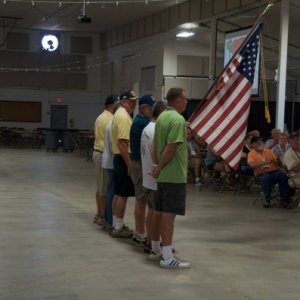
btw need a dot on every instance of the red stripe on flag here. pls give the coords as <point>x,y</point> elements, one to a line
<point>235,152</point>
<point>220,103</point>
<point>205,103</point>
<point>225,114</point>
<point>231,140</point>
<point>228,72</point>
<point>229,126</point>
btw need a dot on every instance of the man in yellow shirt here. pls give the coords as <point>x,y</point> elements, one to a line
<point>120,136</point>
<point>264,163</point>
<point>101,175</point>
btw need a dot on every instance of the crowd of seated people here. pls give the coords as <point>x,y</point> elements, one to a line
<point>271,163</point>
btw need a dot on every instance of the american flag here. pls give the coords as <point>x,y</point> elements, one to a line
<point>221,119</point>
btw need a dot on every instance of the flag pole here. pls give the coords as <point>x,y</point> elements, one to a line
<point>258,21</point>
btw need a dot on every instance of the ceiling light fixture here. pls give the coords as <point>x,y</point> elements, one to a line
<point>185,34</point>
<point>189,25</point>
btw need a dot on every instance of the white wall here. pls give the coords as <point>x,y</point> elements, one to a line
<point>122,65</point>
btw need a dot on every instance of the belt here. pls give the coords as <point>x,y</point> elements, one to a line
<point>96,150</point>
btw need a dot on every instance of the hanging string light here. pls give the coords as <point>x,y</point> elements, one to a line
<point>113,2</point>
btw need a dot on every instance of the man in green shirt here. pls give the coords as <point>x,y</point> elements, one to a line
<point>170,149</point>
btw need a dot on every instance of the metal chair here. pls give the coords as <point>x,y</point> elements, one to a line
<point>296,198</point>
<point>275,197</point>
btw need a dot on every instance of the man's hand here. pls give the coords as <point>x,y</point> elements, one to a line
<point>155,171</point>
<point>129,168</point>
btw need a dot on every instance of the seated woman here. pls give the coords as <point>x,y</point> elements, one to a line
<point>292,161</point>
<point>280,149</point>
<point>264,163</point>
<point>194,156</point>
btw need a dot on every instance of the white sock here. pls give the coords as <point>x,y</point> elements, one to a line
<point>167,252</point>
<point>197,179</point>
<point>119,223</point>
<point>114,221</point>
<point>155,246</point>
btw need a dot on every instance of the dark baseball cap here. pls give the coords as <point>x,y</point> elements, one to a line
<point>147,99</point>
<point>128,94</point>
<point>111,99</point>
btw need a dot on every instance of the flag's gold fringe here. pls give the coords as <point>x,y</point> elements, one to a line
<point>264,81</point>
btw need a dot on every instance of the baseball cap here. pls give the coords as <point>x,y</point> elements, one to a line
<point>128,94</point>
<point>147,99</point>
<point>111,99</point>
<point>255,139</point>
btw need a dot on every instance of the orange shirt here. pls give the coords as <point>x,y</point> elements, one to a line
<point>255,157</point>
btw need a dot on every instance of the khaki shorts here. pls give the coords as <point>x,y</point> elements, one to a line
<point>100,173</point>
<point>150,197</point>
<point>137,179</point>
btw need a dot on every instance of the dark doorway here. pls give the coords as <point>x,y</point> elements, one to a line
<point>59,117</point>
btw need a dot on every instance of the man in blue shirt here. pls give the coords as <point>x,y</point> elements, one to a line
<point>140,121</point>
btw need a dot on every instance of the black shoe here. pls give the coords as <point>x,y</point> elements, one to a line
<point>266,205</point>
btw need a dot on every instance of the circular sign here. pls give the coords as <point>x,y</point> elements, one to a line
<point>50,42</point>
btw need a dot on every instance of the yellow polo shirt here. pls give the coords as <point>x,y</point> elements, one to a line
<point>120,128</point>
<point>100,127</point>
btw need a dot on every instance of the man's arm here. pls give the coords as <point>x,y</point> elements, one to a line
<point>296,168</point>
<point>260,164</point>
<point>166,156</point>
<point>124,146</point>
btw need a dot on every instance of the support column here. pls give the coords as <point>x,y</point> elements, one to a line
<point>213,51</point>
<point>282,63</point>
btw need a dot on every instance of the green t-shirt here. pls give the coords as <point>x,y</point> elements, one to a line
<point>170,129</point>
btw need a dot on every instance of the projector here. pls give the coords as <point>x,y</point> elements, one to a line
<point>84,19</point>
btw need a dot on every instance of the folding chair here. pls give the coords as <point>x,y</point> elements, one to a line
<point>296,198</point>
<point>275,197</point>
<point>210,177</point>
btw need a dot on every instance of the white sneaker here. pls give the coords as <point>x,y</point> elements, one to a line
<point>174,263</point>
<point>155,256</point>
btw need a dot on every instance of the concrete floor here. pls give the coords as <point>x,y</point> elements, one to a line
<point>50,249</point>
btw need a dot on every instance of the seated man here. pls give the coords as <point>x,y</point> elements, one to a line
<point>292,161</point>
<point>264,163</point>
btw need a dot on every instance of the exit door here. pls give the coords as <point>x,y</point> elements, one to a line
<point>59,117</point>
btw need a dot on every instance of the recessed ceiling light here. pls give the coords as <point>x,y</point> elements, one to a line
<point>185,34</point>
<point>189,25</point>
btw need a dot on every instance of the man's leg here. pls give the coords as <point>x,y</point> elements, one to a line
<point>139,214</point>
<point>167,230</point>
<point>140,203</point>
<point>197,169</point>
<point>114,210</point>
<point>148,224</point>
<point>266,181</point>
<point>120,211</point>
<point>109,198</point>
<point>284,188</point>
<point>96,162</point>
<point>98,203</point>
